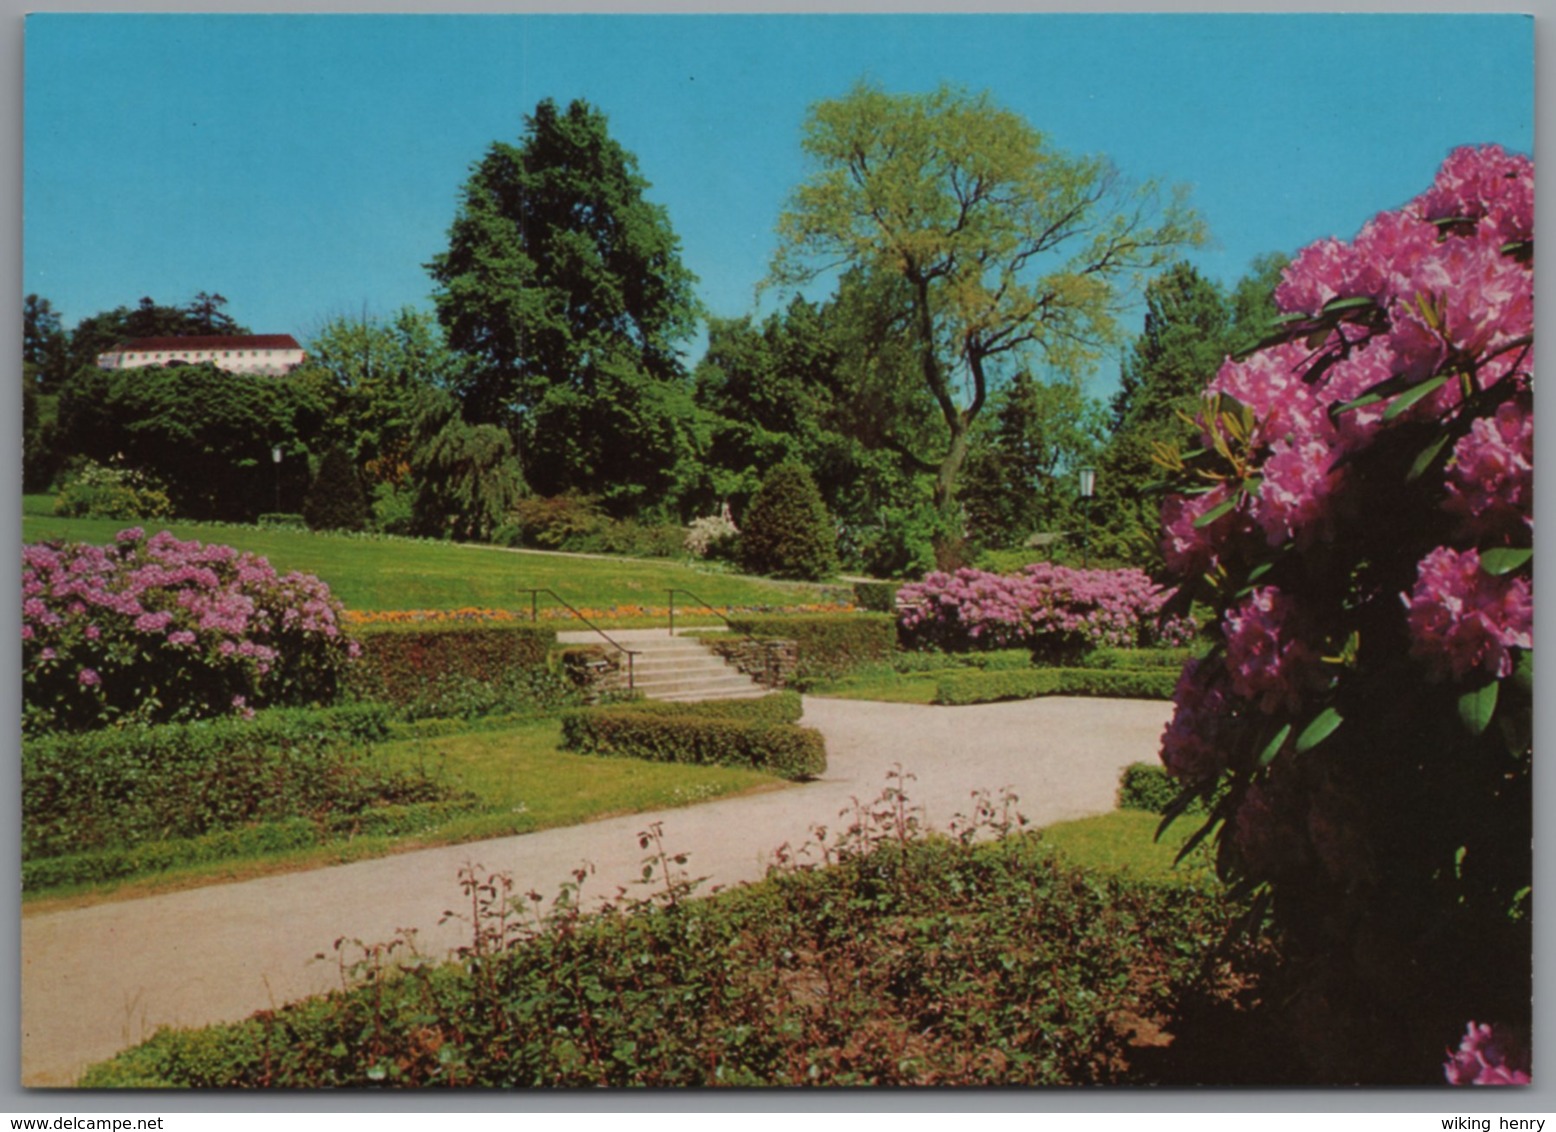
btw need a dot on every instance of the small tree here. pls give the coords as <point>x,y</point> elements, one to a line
<point>788,532</point>
<point>335,502</point>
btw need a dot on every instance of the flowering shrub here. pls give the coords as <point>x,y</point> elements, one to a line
<point>155,629</point>
<point>98,491</point>
<point>1056,611</point>
<point>1488,1055</point>
<point>1360,517</point>
<point>712,536</point>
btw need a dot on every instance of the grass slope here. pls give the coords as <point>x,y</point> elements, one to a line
<point>372,574</point>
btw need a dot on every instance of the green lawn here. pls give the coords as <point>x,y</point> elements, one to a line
<point>1124,841</point>
<point>373,574</point>
<point>524,783</point>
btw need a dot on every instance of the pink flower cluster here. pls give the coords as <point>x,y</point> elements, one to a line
<point>1041,606</point>
<point>152,629</point>
<point>1487,1055</point>
<point>1443,293</point>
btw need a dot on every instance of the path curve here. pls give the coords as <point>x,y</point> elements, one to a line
<point>97,980</point>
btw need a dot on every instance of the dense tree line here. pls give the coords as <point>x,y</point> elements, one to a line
<point>936,396</point>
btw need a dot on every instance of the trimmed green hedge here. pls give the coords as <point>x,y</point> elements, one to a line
<point>757,733</point>
<point>830,645</point>
<point>1174,659</point>
<point>775,707</point>
<point>990,687</point>
<point>436,666</point>
<point>1147,787</point>
<point>94,791</point>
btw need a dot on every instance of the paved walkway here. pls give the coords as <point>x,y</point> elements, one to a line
<point>99,979</point>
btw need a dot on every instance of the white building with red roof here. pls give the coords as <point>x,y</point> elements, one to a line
<point>270,354</point>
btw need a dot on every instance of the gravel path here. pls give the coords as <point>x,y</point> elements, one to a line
<point>98,979</point>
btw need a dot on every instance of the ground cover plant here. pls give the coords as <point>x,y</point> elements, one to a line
<point>881,955</point>
<point>104,805</point>
<point>503,776</point>
<point>1360,520</point>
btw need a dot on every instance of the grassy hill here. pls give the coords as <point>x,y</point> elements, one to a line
<point>374,574</point>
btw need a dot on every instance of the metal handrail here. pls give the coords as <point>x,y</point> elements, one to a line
<point>767,659</point>
<point>534,615</point>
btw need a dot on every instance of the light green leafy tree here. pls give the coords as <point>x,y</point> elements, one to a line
<point>1004,246</point>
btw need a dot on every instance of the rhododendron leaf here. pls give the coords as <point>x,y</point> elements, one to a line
<point>1320,729</point>
<point>1521,250</point>
<point>1196,837</point>
<point>1175,810</point>
<point>1215,513</point>
<point>1477,706</point>
<point>1504,560</point>
<point>1272,748</point>
<point>1259,571</point>
<point>1414,394</point>
<point>1354,303</point>
<point>1427,457</point>
<point>1523,671</point>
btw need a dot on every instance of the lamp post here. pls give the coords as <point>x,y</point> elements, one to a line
<point>1088,477</point>
<point>275,458</point>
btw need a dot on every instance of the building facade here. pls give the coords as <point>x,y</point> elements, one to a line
<point>268,354</point>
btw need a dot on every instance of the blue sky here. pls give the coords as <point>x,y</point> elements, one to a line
<point>308,166</point>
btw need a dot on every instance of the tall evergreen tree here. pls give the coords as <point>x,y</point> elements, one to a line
<point>1191,325</point>
<point>564,284</point>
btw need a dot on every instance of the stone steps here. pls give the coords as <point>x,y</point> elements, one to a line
<point>681,669</point>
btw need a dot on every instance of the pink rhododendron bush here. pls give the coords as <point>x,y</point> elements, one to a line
<point>1361,519</point>
<point>149,630</point>
<point>1056,611</point>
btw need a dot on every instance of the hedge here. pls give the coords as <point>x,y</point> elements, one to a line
<point>829,645</point>
<point>92,791</point>
<point>989,687</point>
<point>775,707</point>
<point>249,840</point>
<point>877,597</point>
<point>718,733</point>
<point>405,666</point>
<point>1174,659</point>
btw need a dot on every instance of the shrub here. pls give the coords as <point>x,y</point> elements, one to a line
<point>830,645</point>
<point>554,522</point>
<point>1145,786</point>
<point>282,521</point>
<point>912,960</point>
<point>107,791</point>
<point>788,533</point>
<point>876,597</point>
<point>1056,611</point>
<point>1360,520</point>
<point>457,669</point>
<point>712,733</point>
<point>98,491</point>
<point>991,687</point>
<point>713,536</point>
<point>154,630</point>
<point>335,501</point>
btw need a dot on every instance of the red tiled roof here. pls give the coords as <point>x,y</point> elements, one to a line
<point>212,342</point>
